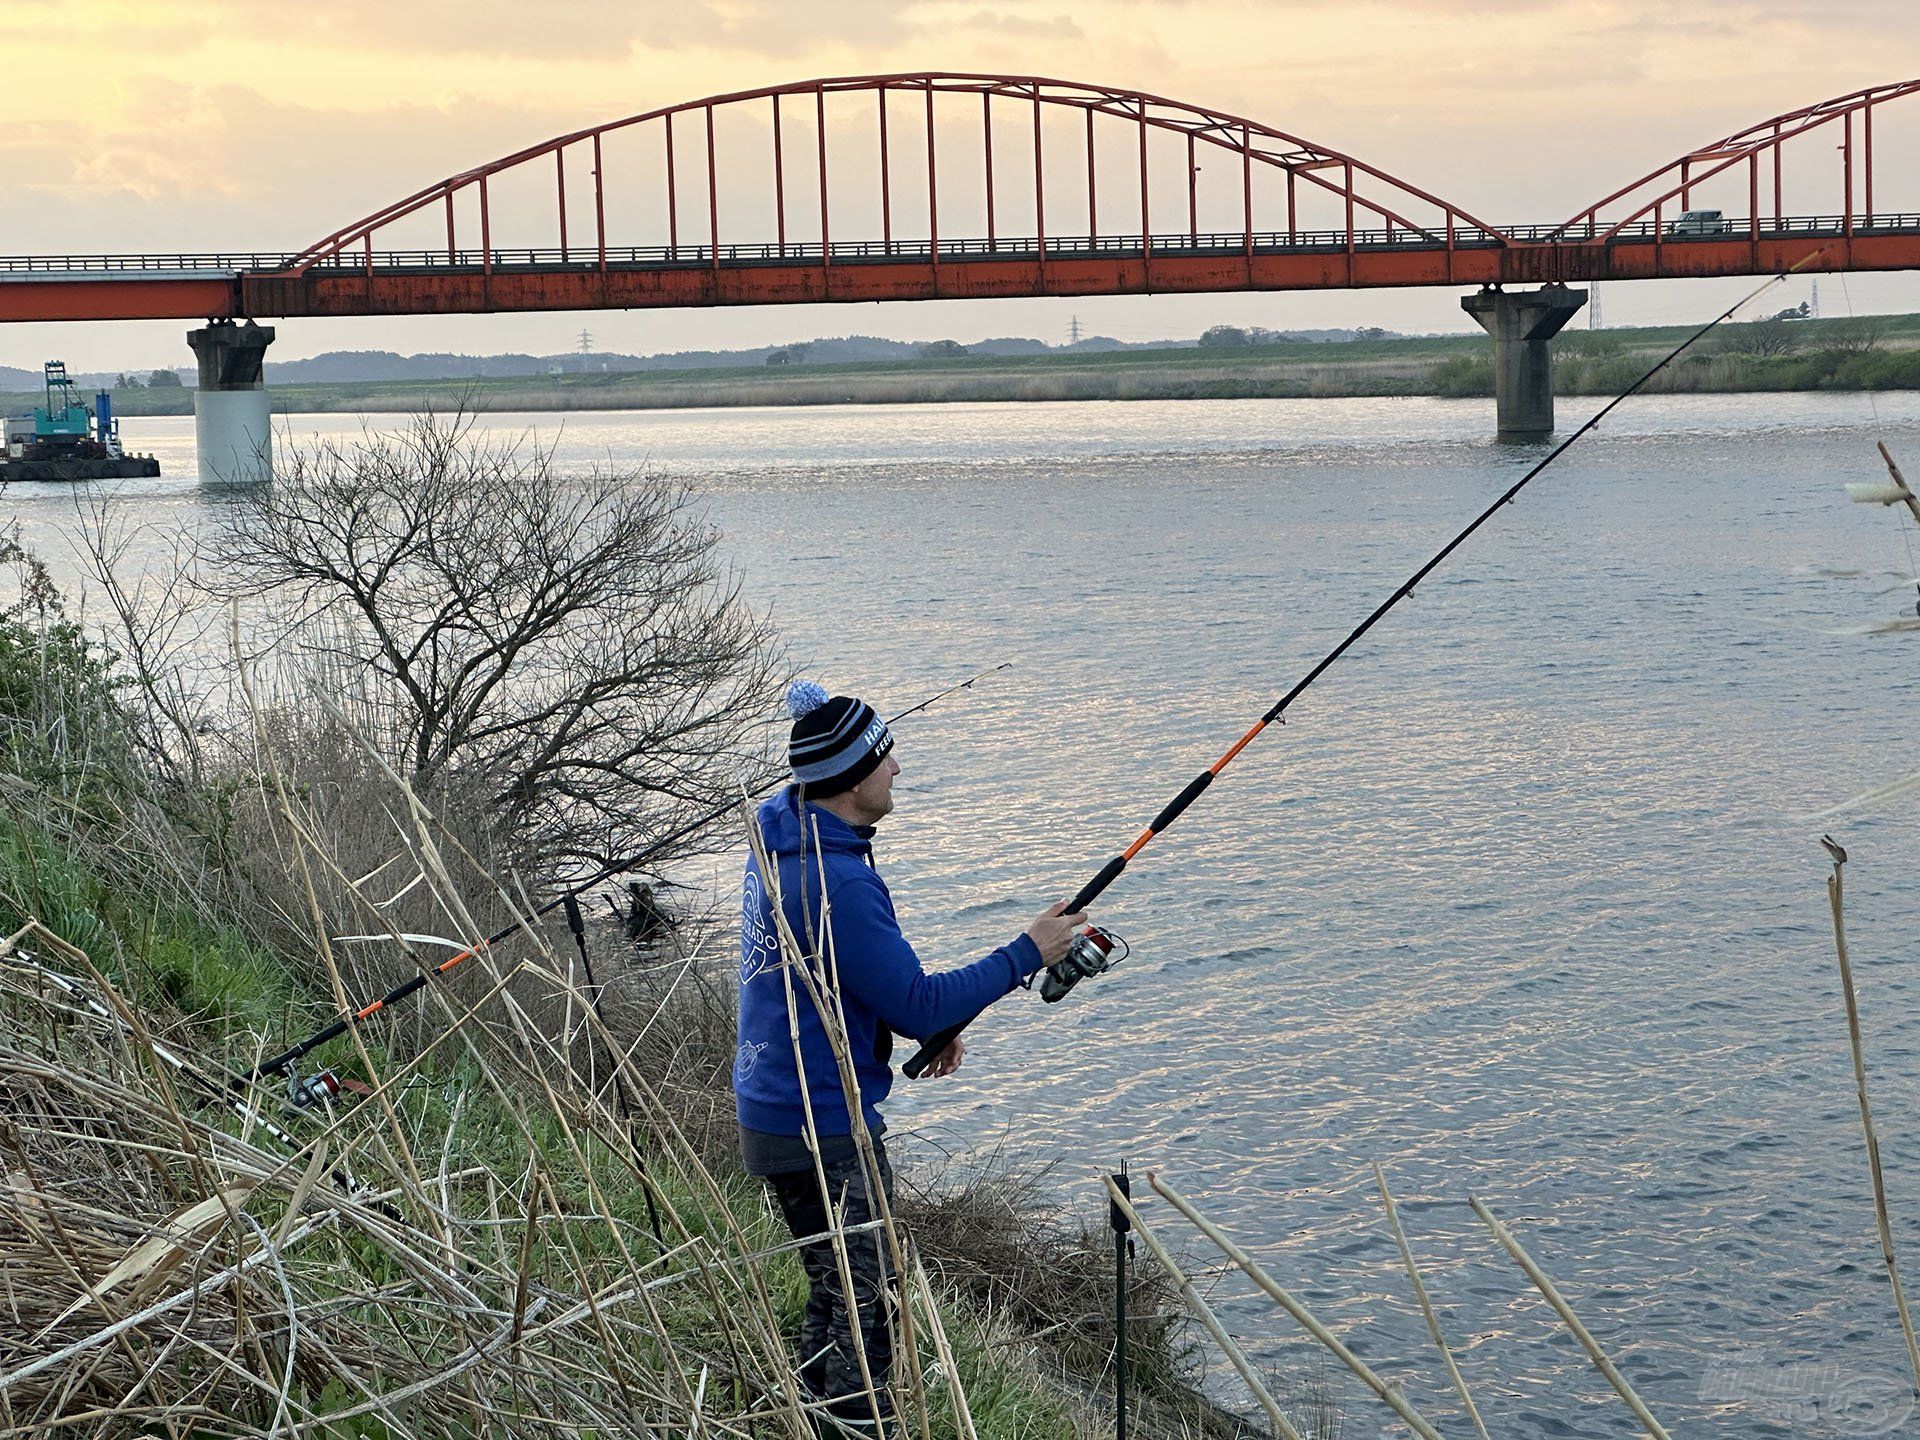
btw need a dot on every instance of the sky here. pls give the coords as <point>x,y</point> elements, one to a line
<point>261,124</point>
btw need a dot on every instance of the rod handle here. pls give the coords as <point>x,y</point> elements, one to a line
<point>916,1064</point>
<point>289,1057</point>
<point>1096,887</point>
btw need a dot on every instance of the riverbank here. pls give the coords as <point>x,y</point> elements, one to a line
<point>1873,353</point>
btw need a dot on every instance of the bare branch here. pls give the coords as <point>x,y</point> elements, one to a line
<point>570,643</point>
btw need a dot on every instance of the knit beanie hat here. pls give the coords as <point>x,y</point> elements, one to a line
<point>836,741</point>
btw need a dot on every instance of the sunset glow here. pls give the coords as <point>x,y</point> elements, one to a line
<point>219,126</point>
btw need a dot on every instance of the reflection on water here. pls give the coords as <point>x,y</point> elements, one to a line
<point>1517,903</point>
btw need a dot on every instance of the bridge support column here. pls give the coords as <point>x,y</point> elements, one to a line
<point>1522,322</point>
<point>232,418</point>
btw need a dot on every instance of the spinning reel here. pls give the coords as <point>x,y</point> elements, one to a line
<point>1091,953</point>
<point>306,1091</point>
<point>323,1088</point>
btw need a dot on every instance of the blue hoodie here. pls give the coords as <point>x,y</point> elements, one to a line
<point>883,990</point>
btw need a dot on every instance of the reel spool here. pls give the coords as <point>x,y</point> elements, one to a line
<point>1091,953</point>
<point>306,1091</point>
<point>323,1087</point>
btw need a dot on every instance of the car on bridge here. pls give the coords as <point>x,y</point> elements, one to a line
<point>1701,222</point>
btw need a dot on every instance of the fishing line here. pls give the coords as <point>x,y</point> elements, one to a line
<point>1092,947</point>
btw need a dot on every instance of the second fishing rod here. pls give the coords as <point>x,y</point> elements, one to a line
<point>1093,950</point>
<point>304,1090</point>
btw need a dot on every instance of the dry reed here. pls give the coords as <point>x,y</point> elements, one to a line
<point>1572,1321</point>
<point>1236,1357</point>
<point>1426,1304</point>
<point>1836,902</point>
<point>171,1269</point>
<point>1288,1302</point>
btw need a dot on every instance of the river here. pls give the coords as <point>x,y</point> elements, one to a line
<point>1523,902</point>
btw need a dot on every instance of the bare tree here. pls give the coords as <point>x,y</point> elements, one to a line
<point>567,648</point>
<point>1855,335</point>
<point>170,656</point>
<point>1762,338</point>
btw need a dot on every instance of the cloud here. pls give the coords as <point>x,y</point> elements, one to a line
<point>220,166</point>
<point>276,121</point>
<point>1023,27</point>
<point>419,27</point>
<point>552,28</point>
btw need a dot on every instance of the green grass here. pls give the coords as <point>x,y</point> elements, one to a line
<point>212,972</point>
<point>84,850</point>
<point>76,816</point>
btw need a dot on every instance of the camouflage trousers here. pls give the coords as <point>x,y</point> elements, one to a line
<point>827,1360</point>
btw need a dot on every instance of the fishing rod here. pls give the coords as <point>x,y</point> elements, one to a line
<point>227,1088</point>
<point>293,1054</point>
<point>1092,950</point>
<point>89,1000</point>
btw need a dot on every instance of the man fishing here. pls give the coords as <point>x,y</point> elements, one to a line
<point>819,833</point>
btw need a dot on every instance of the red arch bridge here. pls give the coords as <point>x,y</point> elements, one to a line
<point>937,186</point>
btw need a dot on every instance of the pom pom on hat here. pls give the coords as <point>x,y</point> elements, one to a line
<point>804,697</point>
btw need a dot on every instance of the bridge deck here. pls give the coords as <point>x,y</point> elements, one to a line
<point>182,286</point>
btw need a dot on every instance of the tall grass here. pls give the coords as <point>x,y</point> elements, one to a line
<point>465,1244</point>
<point>465,1247</point>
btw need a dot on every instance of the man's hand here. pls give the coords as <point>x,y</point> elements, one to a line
<point>947,1061</point>
<point>1053,932</point>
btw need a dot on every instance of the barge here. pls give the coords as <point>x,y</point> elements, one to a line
<point>64,440</point>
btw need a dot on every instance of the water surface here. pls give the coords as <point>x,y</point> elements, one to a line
<point>1522,902</point>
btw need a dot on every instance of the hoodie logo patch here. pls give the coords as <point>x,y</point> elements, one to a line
<point>759,946</point>
<point>744,1059</point>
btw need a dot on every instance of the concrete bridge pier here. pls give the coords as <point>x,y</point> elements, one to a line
<point>1522,322</point>
<point>232,418</point>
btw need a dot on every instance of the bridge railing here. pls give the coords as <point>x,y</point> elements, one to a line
<point>1070,247</point>
<point>1005,247</point>
<point>1731,227</point>
<point>1225,244</point>
<point>143,266</point>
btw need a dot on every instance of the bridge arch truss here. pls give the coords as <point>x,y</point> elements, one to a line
<point>1092,169</point>
<point>1758,154</point>
<point>858,189</point>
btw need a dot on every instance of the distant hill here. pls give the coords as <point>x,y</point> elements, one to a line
<point>366,365</point>
<point>13,379</point>
<point>348,366</point>
<point>375,365</point>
